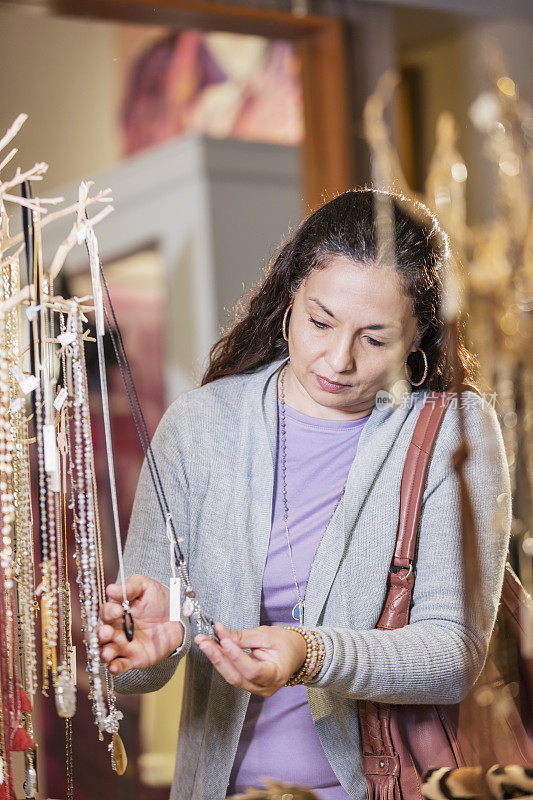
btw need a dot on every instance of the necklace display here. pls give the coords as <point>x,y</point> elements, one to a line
<point>56,433</point>
<point>298,609</point>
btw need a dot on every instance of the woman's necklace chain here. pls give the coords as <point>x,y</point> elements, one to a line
<point>298,610</point>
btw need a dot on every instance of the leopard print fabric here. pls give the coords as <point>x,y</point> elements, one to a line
<point>466,783</point>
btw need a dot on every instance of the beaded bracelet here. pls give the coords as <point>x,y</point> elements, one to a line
<point>314,657</point>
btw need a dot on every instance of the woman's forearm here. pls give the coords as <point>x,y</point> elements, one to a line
<point>426,662</point>
<point>439,655</point>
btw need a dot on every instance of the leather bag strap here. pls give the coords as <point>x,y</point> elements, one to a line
<point>380,761</point>
<point>415,473</point>
<point>414,476</point>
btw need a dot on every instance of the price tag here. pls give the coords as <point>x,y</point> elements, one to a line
<point>175,603</point>
<point>60,398</point>
<point>51,461</point>
<point>27,383</point>
<point>55,483</point>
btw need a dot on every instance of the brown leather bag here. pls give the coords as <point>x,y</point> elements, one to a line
<point>400,743</point>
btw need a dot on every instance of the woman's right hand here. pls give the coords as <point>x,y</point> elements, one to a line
<point>155,637</point>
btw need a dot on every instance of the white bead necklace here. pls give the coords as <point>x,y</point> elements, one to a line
<point>86,531</point>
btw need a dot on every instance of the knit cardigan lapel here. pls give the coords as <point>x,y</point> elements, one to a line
<point>376,440</point>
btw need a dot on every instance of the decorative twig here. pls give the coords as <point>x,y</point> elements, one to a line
<point>34,174</point>
<point>58,303</point>
<point>34,205</point>
<point>72,239</point>
<point>12,257</point>
<point>16,299</point>
<point>8,158</point>
<point>101,197</point>
<point>13,130</point>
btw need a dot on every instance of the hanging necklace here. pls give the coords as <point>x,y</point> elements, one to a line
<point>298,609</point>
<point>191,605</point>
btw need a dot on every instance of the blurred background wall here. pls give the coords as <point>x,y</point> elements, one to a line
<point>73,80</point>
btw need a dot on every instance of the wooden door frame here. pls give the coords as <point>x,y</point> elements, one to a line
<point>327,166</point>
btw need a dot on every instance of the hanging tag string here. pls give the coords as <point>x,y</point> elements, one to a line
<point>203,621</point>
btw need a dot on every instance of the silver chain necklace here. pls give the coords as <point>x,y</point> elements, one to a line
<point>298,609</point>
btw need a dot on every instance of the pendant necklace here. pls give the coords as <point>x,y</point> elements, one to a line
<point>180,573</point>
<point>298,609</point>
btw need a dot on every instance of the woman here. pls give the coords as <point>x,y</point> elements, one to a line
<point>283,478</point>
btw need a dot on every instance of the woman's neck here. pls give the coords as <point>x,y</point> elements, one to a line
<point>298,398</point>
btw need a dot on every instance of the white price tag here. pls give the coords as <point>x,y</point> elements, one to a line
<point>51,461</point>
<point>55,483</point>
<point>99,310</point>
<point>27,383</point>
<point>175,603</point>
<point>60,398</point>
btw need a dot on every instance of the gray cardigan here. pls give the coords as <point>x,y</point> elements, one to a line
<point>216,447</point>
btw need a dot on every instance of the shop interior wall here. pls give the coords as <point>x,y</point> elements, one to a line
<point>451,75</point>
<point>72,74</point>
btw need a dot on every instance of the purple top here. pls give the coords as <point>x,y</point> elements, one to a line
<point>279,739</point>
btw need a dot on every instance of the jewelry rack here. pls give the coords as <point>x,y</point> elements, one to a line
<point>45,416</point>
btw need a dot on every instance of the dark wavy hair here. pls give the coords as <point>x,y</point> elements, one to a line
<point>347,226</point>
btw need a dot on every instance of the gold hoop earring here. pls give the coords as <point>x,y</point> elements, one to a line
<point>424,376</point>
<point>284,323</point>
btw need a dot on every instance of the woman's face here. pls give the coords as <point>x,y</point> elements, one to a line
<point>350,329</point>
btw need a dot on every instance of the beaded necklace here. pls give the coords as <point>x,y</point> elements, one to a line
<point>88,542</point>
<point>15,716</point>
<point>7,688</point>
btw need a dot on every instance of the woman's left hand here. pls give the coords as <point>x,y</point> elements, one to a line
<point>276,654</point>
